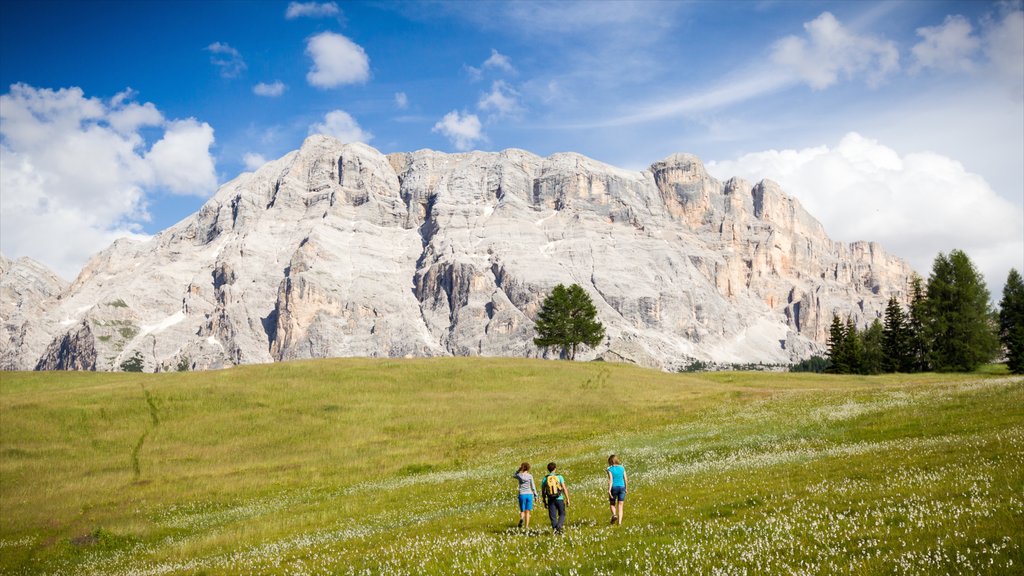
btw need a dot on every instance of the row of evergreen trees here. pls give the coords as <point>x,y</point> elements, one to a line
<point>948,326</point>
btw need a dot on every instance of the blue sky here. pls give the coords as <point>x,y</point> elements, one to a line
<point>901,122</point>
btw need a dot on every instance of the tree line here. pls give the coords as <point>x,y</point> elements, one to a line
<point>948,325</point>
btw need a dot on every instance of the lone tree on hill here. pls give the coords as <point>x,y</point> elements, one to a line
<point>1011,321</point>
<point>567,319</point>
<point>960,325</point>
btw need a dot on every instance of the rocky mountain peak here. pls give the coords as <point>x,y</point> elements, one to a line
<point>338,250</point>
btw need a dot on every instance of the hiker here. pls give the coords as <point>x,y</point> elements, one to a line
<point>527,493</point>
<point>616,487</point>
<point>556,498</point>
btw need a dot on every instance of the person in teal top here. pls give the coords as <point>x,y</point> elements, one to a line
<point>617,481</point>
<point>556,498</point>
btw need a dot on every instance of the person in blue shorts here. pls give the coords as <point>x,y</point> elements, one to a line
<point>616,487</point>
<point>527,493</point>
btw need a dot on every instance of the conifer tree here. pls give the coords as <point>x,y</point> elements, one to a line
<point>568,318</point>
<point>916,320</point>
<point>837,347</point>
<point>959,326</point>
<point>896,345</point>
<point>854,347</point>
<point>1011,321</point>
<point>873,355</point>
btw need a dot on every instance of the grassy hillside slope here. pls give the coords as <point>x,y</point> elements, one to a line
<point>394,467</point>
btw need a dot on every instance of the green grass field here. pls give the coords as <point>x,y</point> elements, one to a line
<point>362,466</point>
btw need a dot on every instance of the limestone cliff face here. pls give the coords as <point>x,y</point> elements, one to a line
<point>338,250</point>
<point>26,290</point>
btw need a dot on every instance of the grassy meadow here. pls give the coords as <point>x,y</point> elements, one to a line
<point>366,466</point>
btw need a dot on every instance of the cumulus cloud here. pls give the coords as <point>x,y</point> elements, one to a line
<point>462,129</point>
<point>341,125</point>
<point>949,46</point>
<point>271,90</point>
<point>311,10</point>
<point>915,205</point>
<point>336,61</point>
<point>253,161</point>
<point>181,160</point>
<point>228,60</point>
<point>499,61</point>
<point>401,100</point>
<point>75,172</point>
<point>830,50</point>
<point>502,100</point>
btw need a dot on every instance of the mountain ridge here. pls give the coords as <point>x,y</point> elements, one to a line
<point>338,250</point>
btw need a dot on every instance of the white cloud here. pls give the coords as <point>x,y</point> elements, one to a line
<point>227,59</point>
<point>311,10</point>
<point>915,205</point>
<point>253,161</point>
<point>132,116</point>
<point>1002,43</point>
<point>75,172</point>
<point>341,125</point>
<point>401,100</point>
<point>502,100</point>
<point>181,160</point>
<point>499,61</point>
<point>336,61</point>
<point>462,129</point>
<point>950,46</point>
<point>830,50</point>
<point>272,90</point>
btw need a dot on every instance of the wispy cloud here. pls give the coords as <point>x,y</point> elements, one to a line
<point>271,90</point>
<point>227,60</point>
<point>502,101</point>
<point>401,100</point>
<point>949,46</point>
<point>829,50</point>
<point>253,161</point>
<point>311,10</point>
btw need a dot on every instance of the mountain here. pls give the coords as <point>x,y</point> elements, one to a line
<point>338,250</point>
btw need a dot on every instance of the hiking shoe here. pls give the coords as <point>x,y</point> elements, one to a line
<point>520,522</point>
<point>615,519</point>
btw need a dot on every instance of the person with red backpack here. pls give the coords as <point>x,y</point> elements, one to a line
<point>556,498</point>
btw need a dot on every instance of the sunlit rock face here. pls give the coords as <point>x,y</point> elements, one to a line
<point>339,250</point>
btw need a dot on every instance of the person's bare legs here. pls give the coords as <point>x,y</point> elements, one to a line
<point>527,517</point>
<point>619,515</point>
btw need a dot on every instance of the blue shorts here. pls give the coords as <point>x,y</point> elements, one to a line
<point>525,502</point>
<point>618,494</point>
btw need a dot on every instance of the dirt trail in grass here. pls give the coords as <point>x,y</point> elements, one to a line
<point>154,416</point>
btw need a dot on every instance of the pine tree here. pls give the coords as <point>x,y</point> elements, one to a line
<point>919,349</point>
<point>873,356</point>
<point>568,318</point>
<point>896,345</point>
<point>854,347</point>
<point>133,364</point>
<point>959,328</point>
<point>837,346</point>
<point>1011,321</point>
